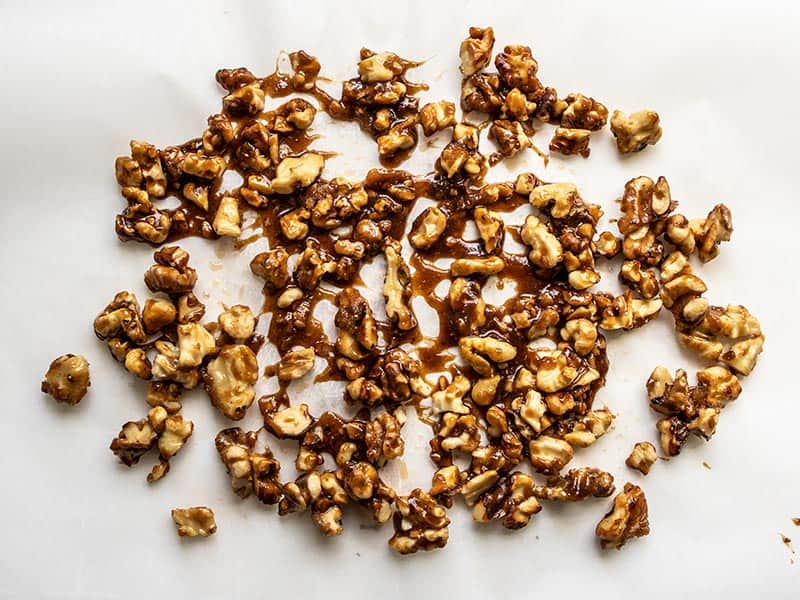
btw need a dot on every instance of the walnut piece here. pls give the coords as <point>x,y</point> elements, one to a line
<point>626,520</point>
<point>571,141</point>
<point>420,523</point>
<point>238,322</point>
<point>636,131</point>
<point>296,364</point>
<point>476,50</point>
<point>229,379</point>
<point>67,379</point>
<point>396,289</point>
<point>194,521</point>
<point>642,457</point>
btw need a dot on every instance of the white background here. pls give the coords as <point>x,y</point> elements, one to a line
<point>80,79</point>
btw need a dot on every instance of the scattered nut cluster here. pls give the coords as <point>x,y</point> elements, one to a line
<point>518,406</point>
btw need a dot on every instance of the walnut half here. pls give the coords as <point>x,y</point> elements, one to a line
<point>67,379</point>
<point>195,521</point>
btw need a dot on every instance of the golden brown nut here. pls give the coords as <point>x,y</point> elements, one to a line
<point>571,141</point>
<point>396,289</point>
<point>642,457</point>
<point>420,523</point>
<point>296,364</point>
<point>583,113</point>
<point>67,379</point>
<point>428,228</point>
<point>436,116</point>
<point>194,521</point>
<point>229,380</point>
<point>476,50</point>
<point>636,131</point>
<point>157,314</point>
<point>238,322</point>
<point>227,221</point>
<point>626,520</point>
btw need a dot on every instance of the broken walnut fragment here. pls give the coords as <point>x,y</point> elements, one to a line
<point>195,521</point>
<point>67,379</point>
<point>626,520</point>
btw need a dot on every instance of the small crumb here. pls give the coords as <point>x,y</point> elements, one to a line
<point>706,465</point>
<point>787,542</point>
<point>796,521</point>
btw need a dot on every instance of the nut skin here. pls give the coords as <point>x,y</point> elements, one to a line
<point>67,379</point>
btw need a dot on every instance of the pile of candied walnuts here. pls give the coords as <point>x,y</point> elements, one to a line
<point>519,402</point>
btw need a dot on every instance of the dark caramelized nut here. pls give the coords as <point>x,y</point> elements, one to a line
<point>626,520</point>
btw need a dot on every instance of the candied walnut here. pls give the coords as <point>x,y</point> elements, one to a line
<point>216,138</point>
<point>195,521</point>
<point>305,70</point>
<point>400,137</point>
<point>642,280</point>
<point>451,398</point>
<point>147,157</point>
<point>296,364</point>
<point>546,250</point>
<point>627,518</point>
<point>382,66</point>
<point>561,369</point>
<point>461,156</point>
<point>357,324</point>
<point>133,441</point>
<point>165,394</point>
<point>477,485</point>
<point>195,342</point>
<point>266,482</point>
<point>636,131</point>
<point>484,390</point>
<point>397,289</point>
<point>272,267</point>
<point>558,198</point>
<point>511,500</point>
<point>490,228</point>
<point>143,222</point>
<point>232,79</point>
<point>481,352</point>
<point>67,379</point>
<point>446,483</point>
<point>165,366</point>
<point>625,312</point>
<point>382,438</point>
<point>731,335</point>
<point>548,454</point>
<point>190,309</point>
<point>332,203</point>
<point>590,427</point>
<point>518,106</point>
<point>467,307</point>
<point>643,203</point>
<point>509,136</point>
<point>480,92</point>
<point>234,447</point>
<point>296,114</point>
<point>244,101</point>
<point>420,523</point>
<point>581,334</point>
<point>436,116</point>
<point>137,363</point>
<point>295,172</point>
<point>490,265</point>
<point>227,220</point>
<point>608,245</point>
<point>571,141</point>
<point>174,435</point>
<point>476,51</point>
<point>157,314</point>
<point>642,457</point>
<point>171,274</point>
<point>583,112</point>
<point>710,232</point>
<point>291,422</point>
<point>517,68</point>
<point>238,322</point>
<point>293,224</point>
<point>576,485</point>
<point>673,434</point>
<point>204,167</point>
<point>428,228</point>
<point>289,296</point>
<point>458,432</point>
<point>128,172</point>
<point>229,379</point>
<point>121,317</point>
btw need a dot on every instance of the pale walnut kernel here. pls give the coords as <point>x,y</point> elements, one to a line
<point>121,317</point>
<point>296,172</point>
<point>174,435</point>
<point>436,116</point>
<point>636,131</point>
<point>458,432</point>
<point>401,136</point>
<point>608,245</point>
<point>428,228</point>
<point>477,485</point>
<point>558,198</point>
<point>490,265</point>
<point>165,394</point>
<point>581,334</point>
<point>626,520</point>
<point>227,220</point>
<point>245,101</point>
<point>571,141</point>
<point>451,398</point>
<point>229,380</point>
<point>294,225</point>
<point>296,364</point>
<point>204,167</point>
<point>67,379</point>
<point>137,363</point>
<point>511,499</point>
<point>711,231</point>
<point>642,457</point>
<point>238,322</point>
<point>383,66</point>
<point>195,521</point>
<point>546,250</point>
<point>482,352</point>
<point>165,366</point>
<point>476,50</point>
